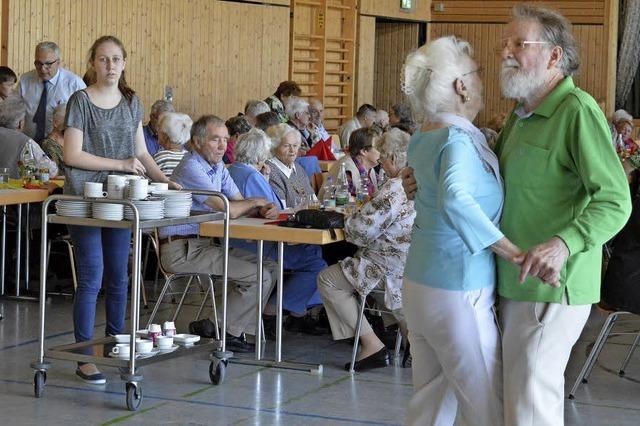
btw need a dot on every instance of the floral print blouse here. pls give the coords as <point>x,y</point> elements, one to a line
<point>382,232</point>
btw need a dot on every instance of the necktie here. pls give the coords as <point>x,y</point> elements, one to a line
<point>40,117</point>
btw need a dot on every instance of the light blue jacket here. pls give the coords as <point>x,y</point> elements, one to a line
<point>458,203</point>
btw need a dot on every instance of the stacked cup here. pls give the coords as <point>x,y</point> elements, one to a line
<point>158,186</point>
<point>138,189</point>
<point>115,186</point>
<point>94,190</point>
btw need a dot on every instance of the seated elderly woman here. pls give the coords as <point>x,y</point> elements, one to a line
<point>16,145</point>
<point>363,157</point>
<point>52,144</point>
<point>303,261</point>
<point>297,111</point>
<point>174,130</point>
<point>288,178</point>
<point>238,125</point>
<point>382,232</point>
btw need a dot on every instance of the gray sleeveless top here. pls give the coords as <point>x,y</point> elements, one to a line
<point>108,133</point>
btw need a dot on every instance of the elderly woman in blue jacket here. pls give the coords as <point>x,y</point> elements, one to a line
<point>303,261</point>
<point>450,278</point>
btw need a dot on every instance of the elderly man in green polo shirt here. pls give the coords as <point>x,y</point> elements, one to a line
<point>566,194</point>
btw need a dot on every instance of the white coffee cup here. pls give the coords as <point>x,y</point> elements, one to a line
<point>122,338</point>
<point>115,186</point>
<point>138,189</point>
<point>122,350</point>
<point>94,190</point>
<point>144,346</point>
<point>169,328</point>
<point>158,186</point>
<point>164,342</point>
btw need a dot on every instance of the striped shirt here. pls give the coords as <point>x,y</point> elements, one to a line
<point>168,160</point>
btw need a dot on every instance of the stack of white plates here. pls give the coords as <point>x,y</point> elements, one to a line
<point>151,208</point>
<point>107,211</point>
<point>176,203</point>
<point>73,208</point>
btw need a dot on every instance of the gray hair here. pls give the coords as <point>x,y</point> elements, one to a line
<point>199,128</point>
<point>429,73</point>
<point>161,106</point>
<point>555,29</point>
<point>621,115</point>
<point>278,132</point>
<point>252,147</point>
<point>12,111</point>
<point>60,111</point>
<point>50,46</point>
<point>295,106</point>
<point>394,143</point>
<point>255,107</point>
<point>176,126</point>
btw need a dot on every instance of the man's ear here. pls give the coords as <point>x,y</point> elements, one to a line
<point>556,56</point>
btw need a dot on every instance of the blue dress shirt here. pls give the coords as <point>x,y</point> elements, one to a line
<point>151,140</point>
<point>457,204</point>
<point>59,90</point>
<point>194,172</point>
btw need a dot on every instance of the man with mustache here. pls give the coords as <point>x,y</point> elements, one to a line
<point>565,195</point>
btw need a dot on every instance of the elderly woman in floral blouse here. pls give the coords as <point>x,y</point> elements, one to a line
<point>382,231</point>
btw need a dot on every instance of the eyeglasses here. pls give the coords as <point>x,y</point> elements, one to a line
<point>39,64</point>
<point>519,45</point>
<point>478,70</point>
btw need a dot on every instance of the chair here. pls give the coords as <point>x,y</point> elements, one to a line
<point>372,306</point>
<point>170,277</point>
<point>66,240</point>
<point>598,345</point>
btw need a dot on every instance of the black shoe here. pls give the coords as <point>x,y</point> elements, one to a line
<point>305,324</point>
<point>379,359</point>
<point>323,322</point>
<point>239,344</point>
<point>204,328</point>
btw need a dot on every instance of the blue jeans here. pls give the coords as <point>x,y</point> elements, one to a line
<point>100,251</point>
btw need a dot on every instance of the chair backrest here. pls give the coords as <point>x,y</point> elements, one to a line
<point>155,241</point>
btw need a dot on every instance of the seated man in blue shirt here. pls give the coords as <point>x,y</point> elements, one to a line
<point>183,251</point>
<point>151,129</point>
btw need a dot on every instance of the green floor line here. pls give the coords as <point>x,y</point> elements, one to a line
<point>137,413</point>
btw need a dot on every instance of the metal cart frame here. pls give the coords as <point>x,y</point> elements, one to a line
<point>128,367</point>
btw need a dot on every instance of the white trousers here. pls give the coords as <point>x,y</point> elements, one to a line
<point>455,346</point>
<point>536,344</point>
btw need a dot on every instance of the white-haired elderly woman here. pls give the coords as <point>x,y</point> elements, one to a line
<point>303,261</point>
<point>288,178</point>
<point>15,144</point>
<point>53,143</point>
<point>174,130</point>
<point>382,231</point>
<point>297,110</point>
<point>450,275</point>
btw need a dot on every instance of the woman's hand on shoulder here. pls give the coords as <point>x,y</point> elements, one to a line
<point>133,165</point>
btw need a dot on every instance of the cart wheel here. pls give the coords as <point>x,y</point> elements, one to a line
<point>134,396</point>
<point>217,371</point>
<point>39,380</point>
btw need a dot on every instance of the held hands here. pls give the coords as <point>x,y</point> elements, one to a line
<point>269,211</point>
<point>133,165</point>
<point>544,261</point>
<point>408,182</point>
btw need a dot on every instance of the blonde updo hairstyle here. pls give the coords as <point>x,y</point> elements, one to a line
<point>429,73</point>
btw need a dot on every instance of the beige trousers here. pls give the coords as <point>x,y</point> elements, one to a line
<point>536,343</point>
<point>203,256</point>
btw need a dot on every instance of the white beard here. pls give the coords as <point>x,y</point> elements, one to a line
<point>520,85</point>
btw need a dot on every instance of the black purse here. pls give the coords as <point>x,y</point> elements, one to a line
<point>316,219</point>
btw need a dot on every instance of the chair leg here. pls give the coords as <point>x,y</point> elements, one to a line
<point>201,308</point>
<point>213,306</point>
<point>144,292</point>
<point>167,283</point>
<point>398,346</point>
<point>593,355</point>
<point>146,257</point>
<point>184,294</point>
<point>356,338</point>
<point>72,260</point>
<point>629,355</point>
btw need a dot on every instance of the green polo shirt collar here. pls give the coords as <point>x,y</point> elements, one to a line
<point>555,98</point>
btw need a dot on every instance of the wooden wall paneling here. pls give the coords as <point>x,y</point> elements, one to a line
<point>577,11</point>
<point>275,59</point>
<point>610,44</point>
<point>366,60</point>
<point>391,9</point>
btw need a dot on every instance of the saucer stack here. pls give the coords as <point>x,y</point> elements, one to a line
<point>150,209</point>
<point>73,208</point>
<point>107,211</point>
<point>176,204</point>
